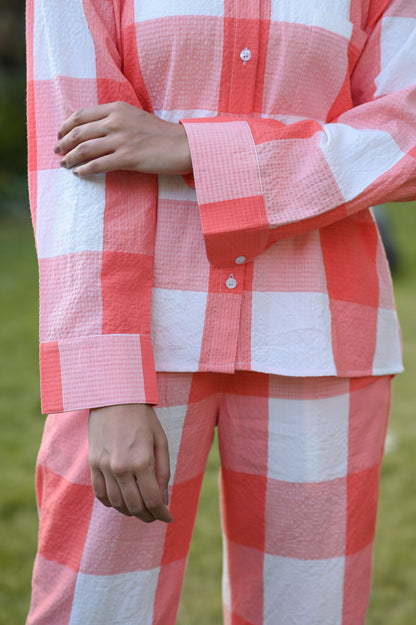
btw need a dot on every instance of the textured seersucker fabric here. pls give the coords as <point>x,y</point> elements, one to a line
<point>299,115</point>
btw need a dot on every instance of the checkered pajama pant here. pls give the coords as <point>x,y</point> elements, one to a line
<point>299,487</point>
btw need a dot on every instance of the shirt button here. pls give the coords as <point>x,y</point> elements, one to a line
<point>240,260</point>
<point>245,55</point>
<point>231,282</point>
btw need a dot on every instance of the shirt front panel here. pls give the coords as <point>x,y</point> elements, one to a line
<point>258,59</point>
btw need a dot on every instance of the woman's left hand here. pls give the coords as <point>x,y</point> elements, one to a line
<point>108,137</point>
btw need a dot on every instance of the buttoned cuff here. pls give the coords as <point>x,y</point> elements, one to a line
<point>228,188</point>
<point>94,371</point>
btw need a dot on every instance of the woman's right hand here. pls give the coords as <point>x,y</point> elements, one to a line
<point>129,461</point>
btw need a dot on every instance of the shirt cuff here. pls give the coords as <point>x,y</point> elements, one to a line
<point>228,188</point>
<point>94,371</point>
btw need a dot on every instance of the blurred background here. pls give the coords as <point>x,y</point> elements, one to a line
<point>393,599</point>
<point>12,106</point>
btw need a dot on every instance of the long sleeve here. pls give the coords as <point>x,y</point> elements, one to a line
<point>261,180</point>
<point>94,237</point>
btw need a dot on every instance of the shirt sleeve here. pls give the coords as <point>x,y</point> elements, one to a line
<point>259,180</point>
<point>94,237</point>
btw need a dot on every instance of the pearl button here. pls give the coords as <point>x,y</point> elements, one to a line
<point>240,260</point>
<point>231,282</point>
<point>245,55</point>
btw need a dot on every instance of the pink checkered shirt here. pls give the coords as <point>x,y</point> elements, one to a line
<point>300,114</point>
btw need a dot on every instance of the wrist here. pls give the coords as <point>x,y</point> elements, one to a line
<point>183,151</point>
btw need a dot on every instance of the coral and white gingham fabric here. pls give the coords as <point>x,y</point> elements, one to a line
<point>300,114</point>
<point>299,488</point>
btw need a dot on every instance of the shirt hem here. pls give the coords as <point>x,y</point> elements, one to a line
<point>282,371</point>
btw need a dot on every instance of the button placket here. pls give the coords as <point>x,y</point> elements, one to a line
<point>239,78</point>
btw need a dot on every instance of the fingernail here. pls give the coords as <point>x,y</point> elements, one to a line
<point>166,497</point>
<point>59,135</point>
<point>57,150</point>
<point>76,172</point>
<point>63,163</point>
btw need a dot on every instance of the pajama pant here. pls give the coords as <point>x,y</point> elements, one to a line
<point>300,463</point>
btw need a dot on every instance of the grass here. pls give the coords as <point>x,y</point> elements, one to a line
<point>393,598</point>
<point>20,418</point>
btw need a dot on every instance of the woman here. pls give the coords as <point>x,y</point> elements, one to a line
<point>244,287</point>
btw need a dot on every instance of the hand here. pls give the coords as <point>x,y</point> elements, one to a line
<point>129,461</point>
<point>114,136</point>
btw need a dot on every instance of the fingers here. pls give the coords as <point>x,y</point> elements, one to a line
<point>162,466</point>
<point>126,498</point>
<point>99,487</point>
<point>100,165</point>
<point>87,152</point>
<point>151,493</point>
<point>84,116</point>
<point>78,135</point>
<point>140,494</point>
<point>122,493</point>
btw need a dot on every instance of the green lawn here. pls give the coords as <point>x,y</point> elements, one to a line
<point>393,599</point>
